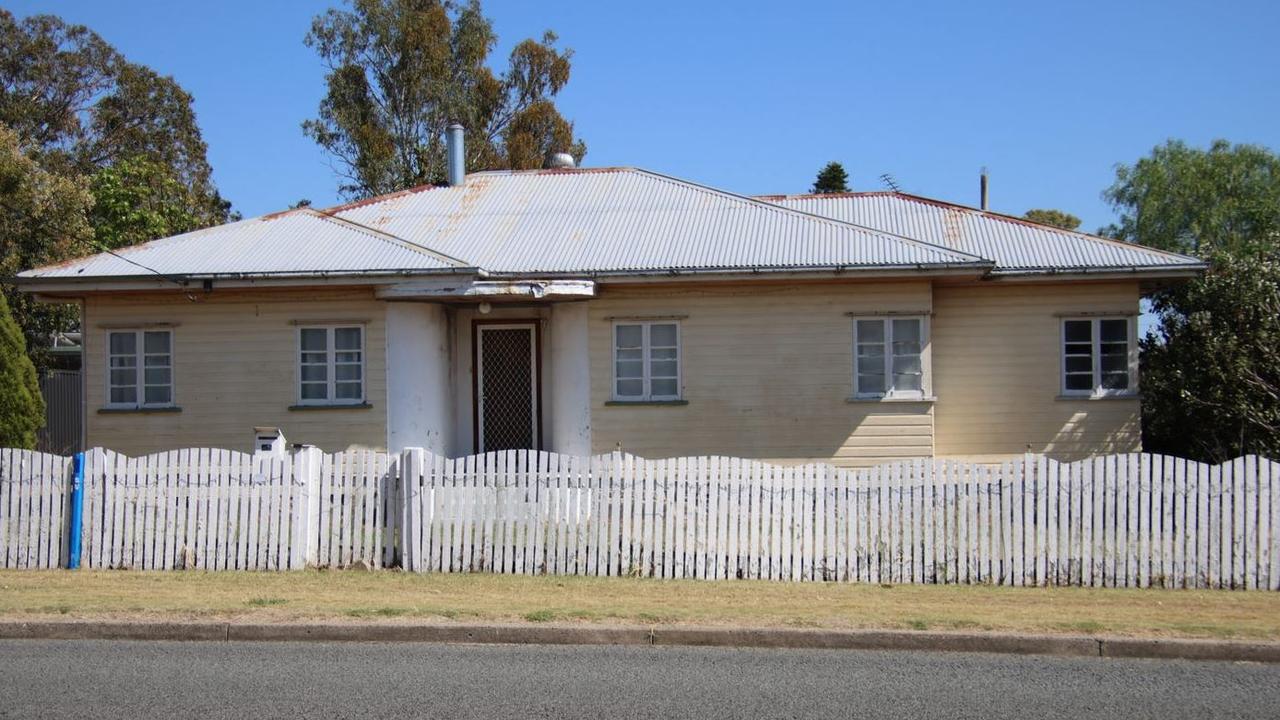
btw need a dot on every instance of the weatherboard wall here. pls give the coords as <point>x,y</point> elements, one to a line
<point>235,367</point>
<point>767,373</point>
<point>997,374</point>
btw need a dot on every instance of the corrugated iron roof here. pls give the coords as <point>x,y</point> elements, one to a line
<point>297,242</point>
<point>625,220</point>
<point>1016,246</point>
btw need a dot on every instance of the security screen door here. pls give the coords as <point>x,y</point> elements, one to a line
<point>507,387</point>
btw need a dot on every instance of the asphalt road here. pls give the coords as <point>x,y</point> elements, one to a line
<point>99,679</point>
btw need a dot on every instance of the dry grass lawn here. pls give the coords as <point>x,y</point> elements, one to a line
<point>404,597</point>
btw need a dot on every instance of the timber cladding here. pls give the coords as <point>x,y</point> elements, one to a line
<point>235,359</point>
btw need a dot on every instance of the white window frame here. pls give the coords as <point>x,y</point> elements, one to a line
<point>645,346</point>
<point>331,353</point>
<point>1095,352</point>
<point>140,365</point>
<point>891,393</point>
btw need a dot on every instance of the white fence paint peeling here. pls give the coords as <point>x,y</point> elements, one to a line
<point>1133,520</point>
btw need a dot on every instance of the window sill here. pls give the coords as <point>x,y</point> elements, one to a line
<point>138,410</point>
<point>335,406</point>
<point>925,399</point>
<point>610,403</point>
<point>1088,398</point>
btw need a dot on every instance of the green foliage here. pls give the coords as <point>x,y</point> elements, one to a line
<point>42,220</point>
<point>1053,218</point>
<point>831,179</point>
<point>1210,373</point>
<point>1198,201</point>
<point>401,71</point>
<point>137,200</point>
<point>79,106</point>
<point>21,407</point>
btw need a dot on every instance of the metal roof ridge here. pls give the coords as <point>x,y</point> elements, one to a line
<point>389,237</point>
<point>974,259</point>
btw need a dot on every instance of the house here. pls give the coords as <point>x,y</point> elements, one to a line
<point>582,310</point>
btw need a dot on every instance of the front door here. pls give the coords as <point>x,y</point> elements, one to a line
<point>507,392</point>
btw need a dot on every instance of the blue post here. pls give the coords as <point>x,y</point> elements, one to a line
<point>77,511</point>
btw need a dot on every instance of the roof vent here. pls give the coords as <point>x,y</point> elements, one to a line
<point>561,160</point>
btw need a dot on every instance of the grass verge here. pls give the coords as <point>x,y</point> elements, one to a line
<point>339,596</point>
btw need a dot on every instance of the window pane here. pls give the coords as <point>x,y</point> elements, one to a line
<point>1079,349</point>
<point>124,361</point>
<point>347,390</point>
<point>1114,330</point>
<point>630,369</point>
<point>907,330</point>
<point>906,383</point>
<point>156,342</point>
<point>662,368</point>
<point>124,395</point>
<point>871,351</point>
<point>662,334</point>
<point>1079,331</point>
<point>125,377</point>
<point>156,361</point>
<point>123,343</point>
<point>346,338</point>
<point>636,354</point>
<point>871,365</point>
<point>906,365</point>
<point>1115,381</point>
<point>156,376</point>
<point>1115,363</point>
<point>1080,382</point>
<point>347,357</point>
<point>870,382</point>
<point>346,372</point>
<point>1077,364</point>
<point>630,388</point>
<point>314,373</point>
<point>314,391</point>
<point>630,336</point>
<point>157,395</point>
<point>870,331</point>
<point>314,358</point>
<point>664,388</point>
<point>663,353</point>
<point>314,339</point>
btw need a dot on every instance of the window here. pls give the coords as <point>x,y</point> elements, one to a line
<point>887,357</point>
<point>1097,356</point>
<point>331,365</point>
<point>646,361</point>
<point>139,368</point>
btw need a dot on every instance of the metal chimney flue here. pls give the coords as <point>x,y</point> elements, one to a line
<point>982,189</point>
<point>456,172</point>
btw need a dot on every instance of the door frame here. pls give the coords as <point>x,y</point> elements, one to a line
<point>477,325</point>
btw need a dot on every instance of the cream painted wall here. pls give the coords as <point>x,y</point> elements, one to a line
<point>996,350</point>
<point>767,371</point>
<point>234,358</point>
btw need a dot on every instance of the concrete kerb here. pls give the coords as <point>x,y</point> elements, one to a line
<point>1060,645</point>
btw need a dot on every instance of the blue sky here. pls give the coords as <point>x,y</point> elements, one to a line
<point>755,97</point>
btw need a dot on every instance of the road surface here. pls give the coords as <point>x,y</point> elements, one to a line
<point>243,681</point>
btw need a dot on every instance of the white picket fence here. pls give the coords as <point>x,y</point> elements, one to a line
<point>1118,521</point>
<point>34,493</point>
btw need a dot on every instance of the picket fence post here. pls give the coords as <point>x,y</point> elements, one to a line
<point>304,551</point>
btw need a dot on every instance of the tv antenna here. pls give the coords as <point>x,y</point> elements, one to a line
<point>890,183</point>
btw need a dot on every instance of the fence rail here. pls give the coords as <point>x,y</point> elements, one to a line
<point>1133,520</point>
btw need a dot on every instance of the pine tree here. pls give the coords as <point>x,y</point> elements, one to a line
<point>831,179</point>
<point>21,407</point>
